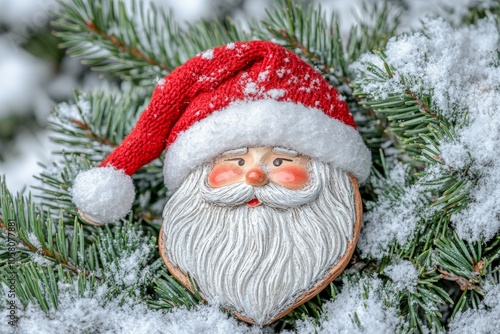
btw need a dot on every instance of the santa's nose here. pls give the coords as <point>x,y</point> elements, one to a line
<point>256,177</point>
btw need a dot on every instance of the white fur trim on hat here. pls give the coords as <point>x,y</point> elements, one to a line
<point>306,130</point>
<point>104,195</point>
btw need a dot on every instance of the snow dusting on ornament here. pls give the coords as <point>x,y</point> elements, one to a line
<point>208,55</point>
<point>160,82</point>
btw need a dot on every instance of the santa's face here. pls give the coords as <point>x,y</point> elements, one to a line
<point>258,228</point>
<point>257,166</point>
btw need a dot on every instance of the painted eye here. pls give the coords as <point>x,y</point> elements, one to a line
<point>241,161</point>
<point>279,161</point>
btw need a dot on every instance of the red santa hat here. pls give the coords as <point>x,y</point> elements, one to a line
<point>239,95</point>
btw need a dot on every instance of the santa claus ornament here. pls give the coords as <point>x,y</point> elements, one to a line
<point>263,159</point>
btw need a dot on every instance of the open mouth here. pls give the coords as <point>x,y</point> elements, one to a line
<point>253,203</point>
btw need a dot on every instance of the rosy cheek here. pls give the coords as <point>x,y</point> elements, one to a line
<point>224,174</point>
<point>291,177</point>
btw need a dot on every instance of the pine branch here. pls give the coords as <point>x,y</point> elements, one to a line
<point>36,235</point>
<point>317,39</point>
<point>46,255</point>
<point>309,33</point>
<point>420,128</point>
<point>136,43</point>
<point>56,180</point>
<point>110,37</point>
<point>204,35</point>
<point>98,120</point>
<point>380,22</point>
<point>39,284</point>
<point>170,293</point>
<point>462,264</point>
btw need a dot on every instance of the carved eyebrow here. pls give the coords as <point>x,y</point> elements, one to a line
<point>281,150</point>
<point>242,150</point>
<point>235,159</point>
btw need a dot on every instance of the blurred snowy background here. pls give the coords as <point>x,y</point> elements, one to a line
<point>35,74</point>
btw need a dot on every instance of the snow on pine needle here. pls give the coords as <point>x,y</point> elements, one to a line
<point>458,70</point>
<point>362,307</point>
<point>395,216</point>
<point>483,320</point>
<point>96,313</point>
<point>404,275</point>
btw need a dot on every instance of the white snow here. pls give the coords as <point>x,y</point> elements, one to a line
<point>458,66</point>
<point>92,314</point>
<point>276,93</point>
<point>251,88</point>
<point>208,55</point>
<point>70,112</point>
<point>485,319</point>
<point>391,219</point>
<point>34,240</point>
<point>263,76</point>
<point>38,258</point>
<point>281,72</point>
<point>404,275</point>
<point>127,271</point>
<point>359,308</point>
<point>160,82</point>
<point>454,63</point>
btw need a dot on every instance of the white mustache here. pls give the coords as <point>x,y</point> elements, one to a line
<point>270,194</point>
<point>235,194</point>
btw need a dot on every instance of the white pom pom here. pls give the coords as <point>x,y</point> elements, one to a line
<point>103,195</point>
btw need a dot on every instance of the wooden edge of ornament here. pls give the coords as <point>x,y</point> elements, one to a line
<point>88,219</point>
<point>333,273</point>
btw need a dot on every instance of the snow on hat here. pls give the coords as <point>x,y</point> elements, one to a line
<point>242,94</point>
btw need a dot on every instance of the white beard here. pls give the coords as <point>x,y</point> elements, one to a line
<point>257,261</point>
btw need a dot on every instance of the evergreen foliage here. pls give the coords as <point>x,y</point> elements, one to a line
<point>55,250</point>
